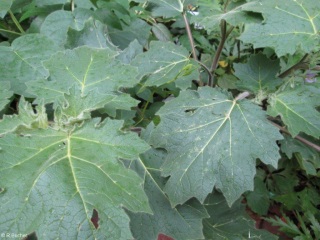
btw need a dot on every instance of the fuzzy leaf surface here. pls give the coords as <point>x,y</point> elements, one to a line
<point>62,176</point>
<point>21,62</point>
<point>5,94</point>
<point>288,26</point>
<point>258,74</point>
<point>212,140</point>
<point>93,71</point>
<point>182,222</point>
<point>297,108</point>
<point>26,118</point>
<point>172,64</point>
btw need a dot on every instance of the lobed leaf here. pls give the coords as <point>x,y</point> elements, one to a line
<point>93,71</point>
<point>182,222</point>
<point>288,26</point>
<point>62,177</point>
<point>5,94</point>
<point>212,140</point>
<point>171,65</point>
<point>22,61</point>
<point>297,109</point>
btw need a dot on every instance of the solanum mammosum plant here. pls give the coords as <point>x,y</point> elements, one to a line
<point>159,119</point>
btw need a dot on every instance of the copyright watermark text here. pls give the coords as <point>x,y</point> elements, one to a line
<point>12,235</point>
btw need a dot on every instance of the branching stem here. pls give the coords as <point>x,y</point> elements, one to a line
<point>191,41</point>
<point>301,139</point>
<point>224,35</point>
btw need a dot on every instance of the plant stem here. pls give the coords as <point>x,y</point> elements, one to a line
<point>72,5</point>
<point>8,31</point>
<point>192,45</point>
<point>16,22</point>
<point>191,41</point>
<point>301,139</point>
<point>298,65</point>
<point>224,36</point>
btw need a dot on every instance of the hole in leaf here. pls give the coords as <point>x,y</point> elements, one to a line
<point>164,237</point>
<point>95,218</point>
<point>191,110</point>
<point>2,190</point>
<point>31,236</point>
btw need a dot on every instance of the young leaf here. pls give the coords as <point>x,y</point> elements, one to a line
<point>182,222</point>
<point>258,74</point>
<point>288,26</point>
<point>62,177</point>
<point>89,70</point>
<point>297,109</point>
<point>26,118</point>
<point>230,223</point>
<point>165,62</point>
<point>212,140</point>
<point>22,62</point>
<point>5,94</point>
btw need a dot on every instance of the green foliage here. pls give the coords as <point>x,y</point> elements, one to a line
<point>120,120</point>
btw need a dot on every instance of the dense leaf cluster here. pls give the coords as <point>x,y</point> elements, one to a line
<point>133,119</point>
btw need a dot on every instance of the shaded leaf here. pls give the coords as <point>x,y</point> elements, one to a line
<point>171,65</point>
<point>287,25</point>
<point>129,53</point>
<point>258,74</point>
<point>93,71</point>
<point>62,176</point>
<point>307,157</point>
<point>161,32</point>
<point>297,109</point>
<point>22,62</point>
<point>212,140</point>
<point>166,8</point>
<point>93,34</point>
<point>230,223</point>
<point>180,223</point>
<point>137,29</point>
<point>56,24</point>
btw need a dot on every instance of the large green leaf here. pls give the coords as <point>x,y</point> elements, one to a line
<point>22,62</point>
<point>171,65</point>
<point>297,109</point>
<point>182,222</point>
<point>288,25</point>
<point>258,74</point>
<point>212,140</point>
<point>5,7</point>
<point>5,94</point>
<point>211,14</point>
<point>93,71</point>
<point>62,176</point>
<point>230,223</point>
